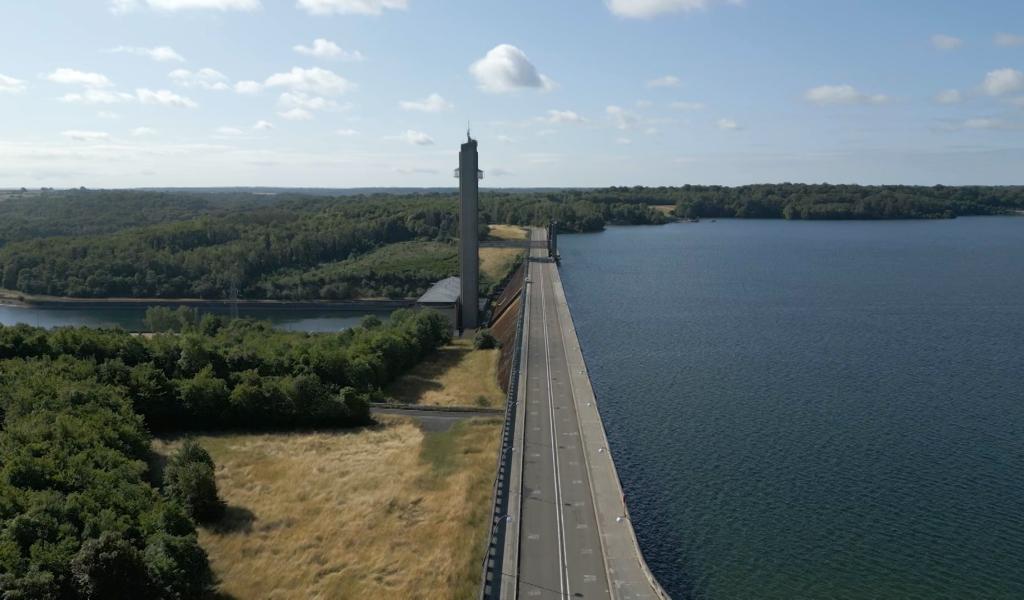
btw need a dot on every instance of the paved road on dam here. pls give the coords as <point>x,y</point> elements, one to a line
<point>560,552</point>
<point>574,537</point>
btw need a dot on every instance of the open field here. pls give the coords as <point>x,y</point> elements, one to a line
<point>507,232</point>
<point>385,512</point>
<point>664,209</point>
<point>455,375</point>
<point>495,263</point>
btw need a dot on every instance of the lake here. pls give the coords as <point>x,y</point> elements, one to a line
<point>810,410</point>
<point>131,318</point>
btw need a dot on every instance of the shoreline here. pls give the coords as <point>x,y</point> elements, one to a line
<point>17,299</point>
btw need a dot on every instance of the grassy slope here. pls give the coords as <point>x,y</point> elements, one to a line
<point>495,263</point>
<point>388,512</point>
<point>456,375</point>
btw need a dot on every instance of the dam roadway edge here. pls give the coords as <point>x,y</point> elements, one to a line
<point>568,527</point>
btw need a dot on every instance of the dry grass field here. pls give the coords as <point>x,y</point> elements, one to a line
<point>495,263</point>
<point>386,512</point>
<point>507,232</point>
<point>665,210</point>
<point>456,375</point>
<point>383,512</point>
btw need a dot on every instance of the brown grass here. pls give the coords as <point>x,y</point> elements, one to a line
<point>455,375</point>
<point>388,512</point>
<point>495,263</point>
<point>665,210</point>
<point>507,232</point>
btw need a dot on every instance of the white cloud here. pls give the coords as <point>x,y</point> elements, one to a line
<point>432,103</point>
<point>248,87</point>
<point>842,94</point>
<point>728,125</point>
<point>504,139</point>
<point>143,131</point>
<point>290,100</point>
<point>76,77</point>
<point>1008,40</point>
<point>622,118</point>
<point>206,78</point>
<point>346,132</point>
<point>687,105</point>
<point>946,42</point>
<point>262,125</point>
<point>158,53</point>
<point>119,7</point>
<point>322,48</point>
<point>645,9</point>
<point>1003,81</point>
<point>651,130</point>
<point>547,132</point>
<point>989,123</point>
<point>97,97</point>
<point>563,116</point>
<point>296,114</point>
<point>1018,102</point>
<point>644,104</point>
<point>623,141</point>
<point>229,131</point>
<point>10,85</point>
<point>416,138</point>
<point>106,114</point>
<point>85,136</point>
<point>949,97</point>
<point>666,81</point>
<point>506,68</point>
<point>164,98</point>
<point>315,80</point>
<point>351,7</point>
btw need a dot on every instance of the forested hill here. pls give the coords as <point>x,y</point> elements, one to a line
<point>288,246</point>
<point>800,201</point>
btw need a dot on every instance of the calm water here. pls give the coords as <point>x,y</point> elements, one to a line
<point>814,410</point>
<point>131,318</point>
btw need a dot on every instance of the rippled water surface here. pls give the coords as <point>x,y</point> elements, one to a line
<point>814,410</point>
<point>132,318</point>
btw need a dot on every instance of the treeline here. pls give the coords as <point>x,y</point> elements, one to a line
<point>32,215</point>
<point>575,210</point>
<point>220,374</point>
<point>209,257</point>
<point>80,517</point>
<point>293,248</point>
<point>799,201</point>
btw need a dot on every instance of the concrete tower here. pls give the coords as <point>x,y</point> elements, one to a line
<point>469,243</point>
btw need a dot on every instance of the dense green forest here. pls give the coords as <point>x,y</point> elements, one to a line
<point>798,201</point>
<point>292,248</point>
<point>80,516</point>
<point>295,247</point>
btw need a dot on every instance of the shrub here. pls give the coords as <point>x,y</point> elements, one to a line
<point>485,340</point>
<point>189,478</point>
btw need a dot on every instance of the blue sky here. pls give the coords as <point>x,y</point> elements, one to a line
<point>342,93</point>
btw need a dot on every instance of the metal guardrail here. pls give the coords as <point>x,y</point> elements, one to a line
<point>490,586</point>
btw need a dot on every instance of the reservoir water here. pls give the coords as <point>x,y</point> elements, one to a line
<point>814,410</point>
<point>131,318</point>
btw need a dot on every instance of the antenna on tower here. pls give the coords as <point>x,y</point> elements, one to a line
<point>469,138</point>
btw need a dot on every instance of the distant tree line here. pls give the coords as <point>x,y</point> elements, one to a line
<point>292,248</point>
<point>80,516</point>
<point>800,201</point>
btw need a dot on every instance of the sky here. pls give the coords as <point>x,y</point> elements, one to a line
<point>354,93</point>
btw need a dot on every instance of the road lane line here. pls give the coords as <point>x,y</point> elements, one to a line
<point>563,571</point>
